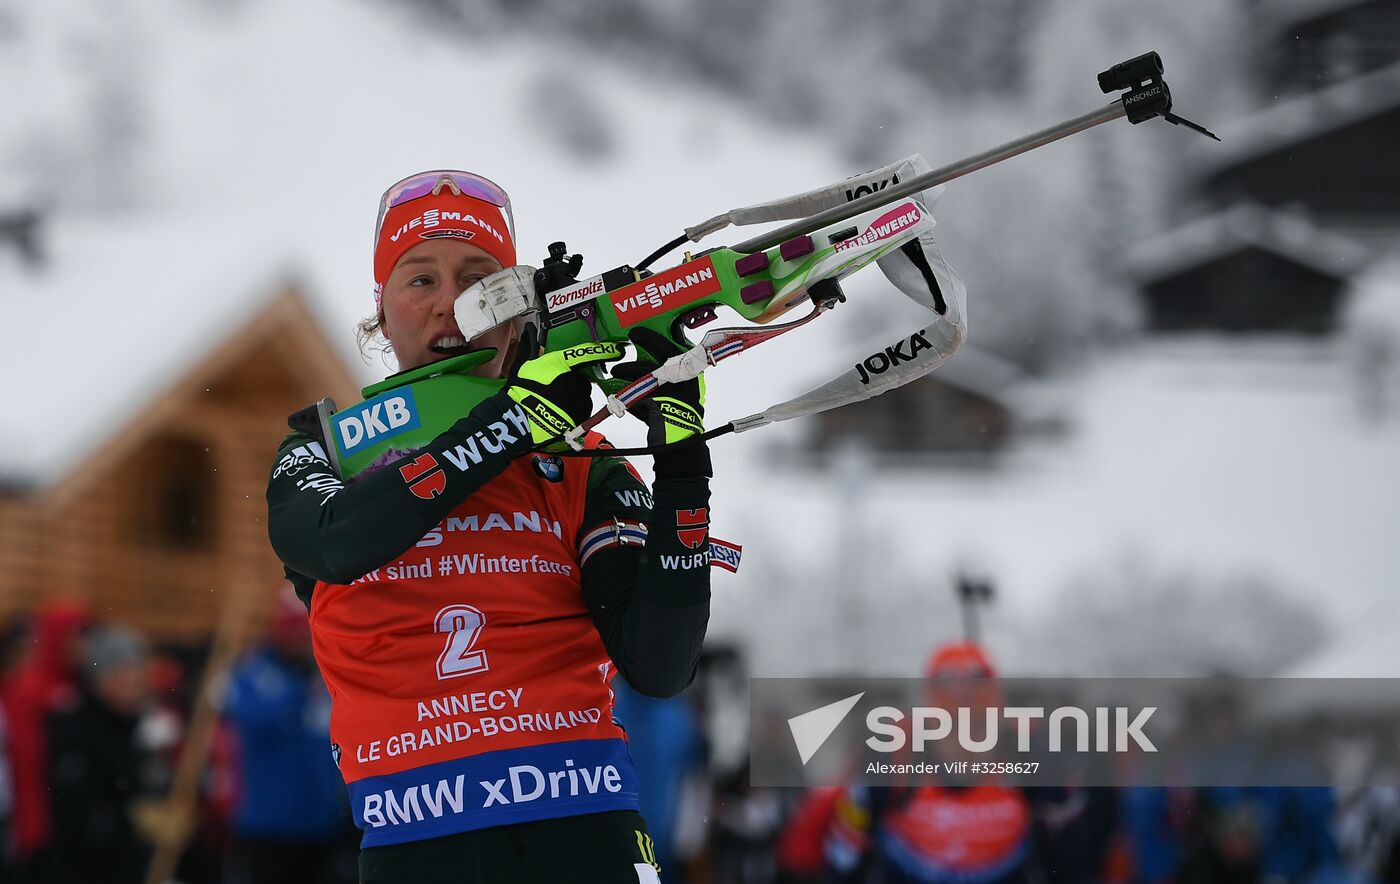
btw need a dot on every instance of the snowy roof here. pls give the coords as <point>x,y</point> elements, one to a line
<point>1240,226</point>
<point>1286,13</point>
<point>1286,122</point>
<point>118,313</point>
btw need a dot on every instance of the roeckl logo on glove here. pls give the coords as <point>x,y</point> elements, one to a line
<point>679,416</point>
<point>692,526</point>
<point>572,353</point>
<point>424,477</point>
<point>545,416</point>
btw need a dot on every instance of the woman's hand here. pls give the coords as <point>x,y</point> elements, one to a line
<point>555,397</point>
<point>675,411</point>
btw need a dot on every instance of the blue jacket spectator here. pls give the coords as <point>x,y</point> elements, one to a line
<point>292,819</point>
<point>663,738</point>
<point>290,787</point>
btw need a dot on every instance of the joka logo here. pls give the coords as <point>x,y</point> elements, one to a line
<point>855,193</point>
<point>383,417</point>
<point>692,526</point>
<point>655,295</point>
<point>879,363</point>
<point>424,477</point>
<point>811,729</point>
<point>549,468</point>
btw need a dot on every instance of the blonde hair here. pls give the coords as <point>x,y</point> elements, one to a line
<point>369,336</point>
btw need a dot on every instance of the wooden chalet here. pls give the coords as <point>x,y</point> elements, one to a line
<point>1309,42</point>
<point>1329,152</point>
<point>1246,269</point>
<point>160,522</point>
<point>1302,195</point>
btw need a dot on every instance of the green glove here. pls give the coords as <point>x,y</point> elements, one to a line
<point>675,411</point>
<point>555,397</point>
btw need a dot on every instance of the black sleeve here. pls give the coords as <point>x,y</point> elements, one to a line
<point>651,602</point>
<point>327,530</point>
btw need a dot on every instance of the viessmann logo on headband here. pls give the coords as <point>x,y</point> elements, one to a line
<point>431,223</point>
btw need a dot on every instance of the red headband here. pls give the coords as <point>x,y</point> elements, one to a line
<point>433,217</point>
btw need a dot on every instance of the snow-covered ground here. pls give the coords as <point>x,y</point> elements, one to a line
<point>1210,460</point>
<point>263,149</point>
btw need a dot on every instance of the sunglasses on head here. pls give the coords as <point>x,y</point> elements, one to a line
<point>461,183</point>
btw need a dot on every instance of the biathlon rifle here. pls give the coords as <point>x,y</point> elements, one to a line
<point>839,230</point>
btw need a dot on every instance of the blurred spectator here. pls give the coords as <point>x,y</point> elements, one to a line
<point>162,737</point>
<point>6,802</point>
<point>292,815</point>
<point>963,830</point>
<point>11,638</point>
<point>971,829</point>
<point>799,855</point>
<point>1156,819</point>
<point>95,766</point>
<point>1368,829</point>
<point>1074,832</point>
<point>747,822</point>
<point>43,680</point>
<point>664,740</point>
<point>1260,834</point>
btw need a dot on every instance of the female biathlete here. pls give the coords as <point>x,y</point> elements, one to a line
<point>468,627</point>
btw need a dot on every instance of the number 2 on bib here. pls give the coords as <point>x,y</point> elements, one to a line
<point>462,623</point>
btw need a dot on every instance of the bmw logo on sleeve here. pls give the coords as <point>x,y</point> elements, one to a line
<point>549,467</point>
<point>374,420</point>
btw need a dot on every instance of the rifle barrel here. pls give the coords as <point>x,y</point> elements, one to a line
<point>933,178</point>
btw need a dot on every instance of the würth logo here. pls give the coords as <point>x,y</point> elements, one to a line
<point>692,526</point>
<point>424,477</point>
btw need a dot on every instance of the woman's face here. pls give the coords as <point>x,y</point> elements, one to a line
<point>418,299</point>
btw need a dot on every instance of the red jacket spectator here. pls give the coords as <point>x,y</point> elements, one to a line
<point>45,679</point>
